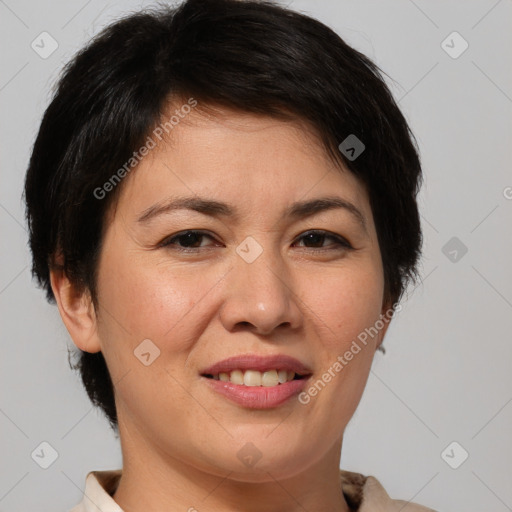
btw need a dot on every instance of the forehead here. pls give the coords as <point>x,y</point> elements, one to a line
<point>210,125</point>
<point>237,156</point>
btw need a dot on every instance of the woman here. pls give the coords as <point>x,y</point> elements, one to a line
<point>222,203</point>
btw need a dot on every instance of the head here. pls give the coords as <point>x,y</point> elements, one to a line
<point>239,112</point>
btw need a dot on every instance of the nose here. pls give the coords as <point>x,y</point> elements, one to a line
<point>260,297</point>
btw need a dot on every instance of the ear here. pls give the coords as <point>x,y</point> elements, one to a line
<point>77,312</point>
<point>386,316</point>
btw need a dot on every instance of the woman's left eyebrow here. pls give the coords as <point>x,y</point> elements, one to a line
<point>297,210</point>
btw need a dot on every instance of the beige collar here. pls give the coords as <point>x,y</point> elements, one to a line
<point>362,494</point>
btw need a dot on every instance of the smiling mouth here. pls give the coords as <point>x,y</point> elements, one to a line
<point>255,378</point>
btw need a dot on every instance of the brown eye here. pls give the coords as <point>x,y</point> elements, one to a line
<point>190,239</point>
<point>316,239</point>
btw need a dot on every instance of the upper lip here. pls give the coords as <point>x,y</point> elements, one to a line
<point>259,363</point>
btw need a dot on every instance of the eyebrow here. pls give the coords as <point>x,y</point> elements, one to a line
<point>300,209</point>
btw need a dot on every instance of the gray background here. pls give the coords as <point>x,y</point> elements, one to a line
<point>446,375</point>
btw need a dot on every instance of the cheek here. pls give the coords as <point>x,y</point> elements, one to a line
<point>169,306</point>
<point>344,308</point>
<point>152,301</point>
<point>345,304</point>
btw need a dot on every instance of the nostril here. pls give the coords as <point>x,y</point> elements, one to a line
<point>243,326</point>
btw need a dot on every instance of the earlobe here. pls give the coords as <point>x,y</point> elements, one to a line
<point>382,333</point>
<point>385,320</point>
<point>77,312</point>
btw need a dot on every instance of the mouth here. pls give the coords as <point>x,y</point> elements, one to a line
<point>257,370</point>
<point>255,378</point>
<point>257,382</point>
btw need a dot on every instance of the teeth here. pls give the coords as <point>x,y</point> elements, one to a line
<point>270,378</point>
<point>256,378</point>
<point>252,378</point>
<point>237,377</point>
<point>282,375</point>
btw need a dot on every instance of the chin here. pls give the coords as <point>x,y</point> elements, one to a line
<point>280,468</point>
<point>269,462</point>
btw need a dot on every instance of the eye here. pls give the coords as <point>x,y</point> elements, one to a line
<point>316,239</point>
<point>190,239</point>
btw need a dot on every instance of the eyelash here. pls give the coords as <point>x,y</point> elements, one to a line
<point>340,242</point>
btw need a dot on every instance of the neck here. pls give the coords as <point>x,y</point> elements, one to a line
<point>153,482</point>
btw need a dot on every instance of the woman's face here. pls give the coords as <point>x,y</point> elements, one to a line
<point>255,281</point>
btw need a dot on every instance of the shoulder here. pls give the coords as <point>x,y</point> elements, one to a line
<point>366,494</point>
<point>99,488</point>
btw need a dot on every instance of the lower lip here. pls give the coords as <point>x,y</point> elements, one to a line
<point>258,397</point>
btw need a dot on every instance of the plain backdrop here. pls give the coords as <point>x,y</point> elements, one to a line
<point>446,376</point>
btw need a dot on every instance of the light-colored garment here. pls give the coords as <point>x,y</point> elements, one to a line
<point>363,494</point>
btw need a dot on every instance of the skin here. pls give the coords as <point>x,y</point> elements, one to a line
<point>308,299</point>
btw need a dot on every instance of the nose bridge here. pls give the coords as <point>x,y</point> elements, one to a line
<point>260,294</point>
<point>265,277</point>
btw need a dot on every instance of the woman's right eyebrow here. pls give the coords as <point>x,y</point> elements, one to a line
<point>206,206</point>
<point>297,210</point>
